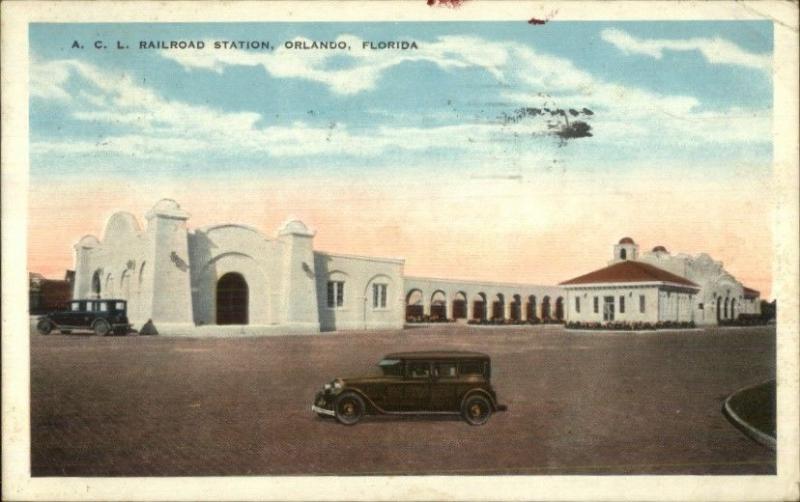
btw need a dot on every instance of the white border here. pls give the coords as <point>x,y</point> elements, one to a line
<point>17,485</point>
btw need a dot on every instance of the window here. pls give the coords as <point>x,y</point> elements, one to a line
<point>700,306</point>
<point>379,296</point>
<point>641,304</point>
<point>445,370</point>
<point>472,368</point>
<point>577,304</point>
<point>90,307</point>
<point>623,254</point>
<point>391,367</point>
<point>418,370</point>
<point>119,305</point>
<point>75,306</point>
<point>335,294</point>
<point>621,304</point>
<point>596,305</point>
<point>103,306</point>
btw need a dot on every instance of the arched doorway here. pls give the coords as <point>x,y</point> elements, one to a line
<point>719,308</point>
<point>560,308</point>
<point>733,308</point>
<point>232,299</point>
<point>498,307</point>
<point>460,306</point>
<point>438,306</point>
<point>545,308</point>
<point>725,311</point>
<point>530,309</point>
<point>516,309</point>
<point>414,308</point>
<point>479,307</point>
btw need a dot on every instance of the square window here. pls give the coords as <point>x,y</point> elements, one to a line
<point>417,370</point>
<point>445,370</point>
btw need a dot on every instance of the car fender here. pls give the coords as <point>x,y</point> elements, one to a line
<point>370,403</point>
<point>480,392</point>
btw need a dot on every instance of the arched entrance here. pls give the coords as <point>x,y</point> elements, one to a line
<point>516,309</point>
<point>545,308</point>
<point>733,308</point>
<point>560,308</point>
<point>530,308</point>
<point>460,306</point>
<point>232,299</point>
<point>438,306</point>
<point>719,308</point>
<point>96,284</point>
<point>414,308</point>
<point>498,307</point>
<point>725,311</point>
<point>479,307</point>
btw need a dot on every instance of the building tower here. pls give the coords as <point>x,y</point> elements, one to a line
<point>626,249</point>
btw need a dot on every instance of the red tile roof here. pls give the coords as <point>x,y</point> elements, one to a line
<point>751,293</point>
<point>629,271</point>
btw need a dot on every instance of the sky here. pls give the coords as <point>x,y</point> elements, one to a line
<point>494,151</point>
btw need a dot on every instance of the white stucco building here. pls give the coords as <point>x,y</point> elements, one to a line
<point>657,287</point>
<point>233,278</point>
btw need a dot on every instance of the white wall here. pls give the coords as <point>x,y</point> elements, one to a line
<point>359,274</point>
<point>632,312</point>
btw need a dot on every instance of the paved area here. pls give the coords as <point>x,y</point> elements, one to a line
<point>578,404</point>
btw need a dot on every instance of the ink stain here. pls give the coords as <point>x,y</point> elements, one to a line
<point>453,4</point>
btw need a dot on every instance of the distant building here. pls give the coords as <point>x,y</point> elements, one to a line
<point>657,287</point>
<point>47,295</point>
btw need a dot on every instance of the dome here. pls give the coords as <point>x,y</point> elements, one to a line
<point>168,208</point>
<point>87,241</point>
<point>626,240</point>
<point>295,227</point>
<point>660,249</point>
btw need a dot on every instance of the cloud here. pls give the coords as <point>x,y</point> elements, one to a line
<point>141,124</point>
<point>362,74</point>
<point>715,50</point>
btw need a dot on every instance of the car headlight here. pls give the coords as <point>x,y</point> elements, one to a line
<point>337,385</point>
<point>328,386</point>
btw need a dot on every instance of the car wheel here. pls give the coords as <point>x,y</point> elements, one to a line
<point>101,327</point>
<point>44,327</point>
<point>476,410</point>
<point>349,408</point>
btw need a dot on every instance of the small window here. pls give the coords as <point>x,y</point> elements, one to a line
<point>445,370</point>
<point>623,254</point>
<point>103,306</point>
<point>621,304</point>
<point>90,307</point>
<point>596,305</point>
<point>119,305</point>
<point>335,294</point>
<point>379,296</point>
<point>391,367</point>
<point>472,368</point>
<point>75,306</point>
<point>418,370</point>
<point>700,306</point>
<point>641,304</point>
<point>577,304</point>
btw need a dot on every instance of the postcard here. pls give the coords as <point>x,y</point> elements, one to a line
<point>420,250</point>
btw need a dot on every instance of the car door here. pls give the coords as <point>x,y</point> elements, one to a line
<point>417,386</point>
<point>444,387</point>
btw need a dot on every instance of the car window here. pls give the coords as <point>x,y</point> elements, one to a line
<point>103,306</point>
<point>75,306</point>
<point>119,305</point>
<point>418,370</point>
<point>445,370</point>
<point>391,367</point>
<point>472,368</point>
<point>89,306</point>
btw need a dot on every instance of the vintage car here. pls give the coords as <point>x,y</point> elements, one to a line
<point>101,316</point>
<point>446,382</point>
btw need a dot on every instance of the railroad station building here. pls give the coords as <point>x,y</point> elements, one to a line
<point>232,278</point>
<point>656,287</point>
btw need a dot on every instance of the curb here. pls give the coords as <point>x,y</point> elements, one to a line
<point>739,423</point>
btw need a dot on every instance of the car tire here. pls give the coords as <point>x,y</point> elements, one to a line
<point>101,327</point>
<point>44,327</point>
<point>349,408</point>
<point>476,410</point>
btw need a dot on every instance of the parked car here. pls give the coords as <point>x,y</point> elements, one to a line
<point>101,316</point>
<point>446,382</point>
